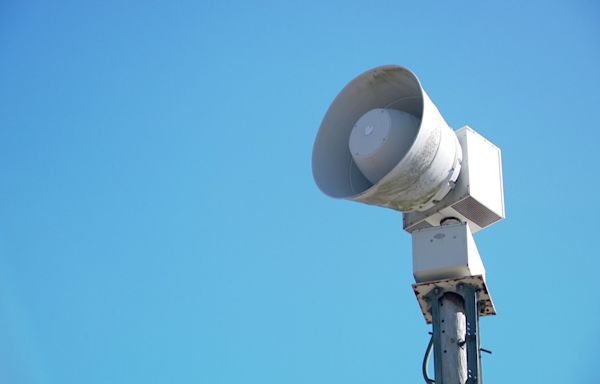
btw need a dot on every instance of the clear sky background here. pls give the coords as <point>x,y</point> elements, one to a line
<point>158,218</point>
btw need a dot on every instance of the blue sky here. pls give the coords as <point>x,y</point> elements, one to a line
<point>158,218</point>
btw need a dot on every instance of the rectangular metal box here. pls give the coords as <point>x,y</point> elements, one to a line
<point>477,198</point>
<point>445,252</point>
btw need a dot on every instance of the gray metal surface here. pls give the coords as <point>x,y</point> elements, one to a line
<point>470,294</point>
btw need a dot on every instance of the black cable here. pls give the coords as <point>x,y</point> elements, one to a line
<point>426,361</point>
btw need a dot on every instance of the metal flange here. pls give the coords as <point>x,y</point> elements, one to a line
<point>485,305</point>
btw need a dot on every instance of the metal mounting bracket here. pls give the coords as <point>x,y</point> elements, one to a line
<point>484,299</point>
<point>475,305</point>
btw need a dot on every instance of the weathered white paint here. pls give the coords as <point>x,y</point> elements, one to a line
<point>478,196</point>
<point>453,329</point>
<point>424,175</point>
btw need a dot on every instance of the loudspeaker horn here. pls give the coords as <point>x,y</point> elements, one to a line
<point>383,142</point>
